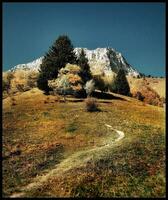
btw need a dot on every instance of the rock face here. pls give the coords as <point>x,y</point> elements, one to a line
<point>107,60</point>
<point>101,60</point>
<point>33,66</point>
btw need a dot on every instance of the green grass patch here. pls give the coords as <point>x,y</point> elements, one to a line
<point>46,114</point>
<point>72,127</point>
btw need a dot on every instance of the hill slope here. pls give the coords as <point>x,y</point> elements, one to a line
<point>156,84</point>
<point>42,136</point>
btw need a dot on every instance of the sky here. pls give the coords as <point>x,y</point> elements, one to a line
<point>137,30</point>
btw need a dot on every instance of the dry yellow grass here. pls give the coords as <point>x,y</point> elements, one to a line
<point>157,84</point>
<point>55,133</point>
<point>22,80</point>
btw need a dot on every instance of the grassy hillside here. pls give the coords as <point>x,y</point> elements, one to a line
<point>157,84</point>
<point>56,149</point>
<point>153,89</point>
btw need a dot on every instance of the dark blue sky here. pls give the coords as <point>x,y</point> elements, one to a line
<point>137,30</point>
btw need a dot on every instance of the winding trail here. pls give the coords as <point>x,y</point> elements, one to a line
<point>78,159</point>
<point>120,133</point>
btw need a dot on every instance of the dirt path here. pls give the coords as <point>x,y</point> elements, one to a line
<point>76,160</point>
<point>120,133</point>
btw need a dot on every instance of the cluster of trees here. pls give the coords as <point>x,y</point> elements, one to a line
<point>58,55</point>
<point>61,53</point>
<point>148,76</point>
<point>119,84</point>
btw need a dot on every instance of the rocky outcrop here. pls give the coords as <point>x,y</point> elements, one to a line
<point>107,60</point>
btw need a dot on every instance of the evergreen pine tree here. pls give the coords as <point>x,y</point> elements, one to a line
<point>57,57</point>
<point>120,84</point>
<point>85,68</point>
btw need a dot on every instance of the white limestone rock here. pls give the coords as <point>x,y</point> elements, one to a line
<point>98,59</point>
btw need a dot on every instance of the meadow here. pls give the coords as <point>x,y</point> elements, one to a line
<point>53,148</point>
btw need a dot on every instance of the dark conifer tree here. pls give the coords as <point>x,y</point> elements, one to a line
<point>85,68</point>
<point>57,57</point>
<point>120,84</point>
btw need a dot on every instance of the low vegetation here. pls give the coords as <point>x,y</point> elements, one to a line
<point>91,104</point>
<point>39,138</point>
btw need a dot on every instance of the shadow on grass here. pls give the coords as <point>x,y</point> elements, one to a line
<point>75,100</point>
<point>106,102</point>
<point>95,94</point>
<point>104,95</point>
<point>94,110</point>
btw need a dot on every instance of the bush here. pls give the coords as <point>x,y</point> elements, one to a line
<point>142,75</point>
<point>91,105</point>
<point>68,82</point>
<point>6,84</point>
<point>100,84</point>
<point>89,87</point>
<point>13,101</point>
<point>42,83</point>
<point>22,87</point>
<point>32,80</point>
<point>150,96</point>
<point>138,95</point>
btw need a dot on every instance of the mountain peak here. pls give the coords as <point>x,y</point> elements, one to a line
<point>105,60</point>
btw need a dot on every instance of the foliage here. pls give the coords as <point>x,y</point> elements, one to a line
<point>32,80</point>
<point>6,83</point>
<point>120,84</point>
<point>85,68</point>
<point>71,127</point>
<point>151,97</point>
<point>42,83</point>
<point>58,55</point>
<point>138,95</point>
<point>91,104</point>
<point>142,75</point>
<point>20,87</point>
<point>89,87</point>
<point>99,83</point>
<point>68,82</point>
